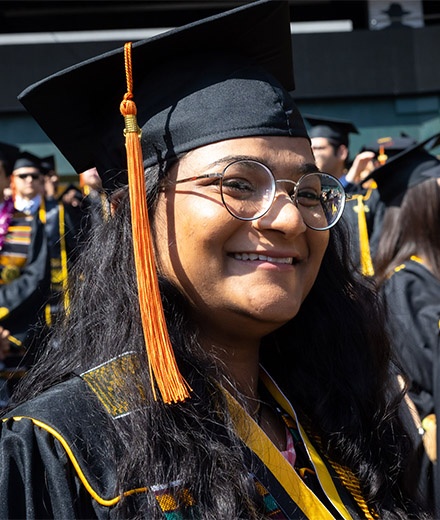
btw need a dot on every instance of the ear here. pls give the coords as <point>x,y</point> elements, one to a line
<point>342,152</point>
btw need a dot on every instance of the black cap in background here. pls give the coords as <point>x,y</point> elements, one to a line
<point>48,164</point>
<point>8,156</point>
<point>28,160</point>
<point>336,130</point>
<point>223,77</point>
<point>405,170</point>
<point>390,146</point>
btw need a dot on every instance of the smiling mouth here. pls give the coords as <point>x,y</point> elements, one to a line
<point>252,257</point>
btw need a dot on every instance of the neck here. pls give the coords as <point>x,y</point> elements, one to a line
<point>240,360</point>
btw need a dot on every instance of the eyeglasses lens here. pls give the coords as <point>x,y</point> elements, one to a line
<point>248,190</point>
<point>320,199</point>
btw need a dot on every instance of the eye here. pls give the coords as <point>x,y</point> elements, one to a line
<point>238,187</point>
<point>308,197</point>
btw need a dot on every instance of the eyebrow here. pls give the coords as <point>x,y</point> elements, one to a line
<point>301,169</point>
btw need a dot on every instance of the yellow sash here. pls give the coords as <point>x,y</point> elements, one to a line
<point>255,438</point>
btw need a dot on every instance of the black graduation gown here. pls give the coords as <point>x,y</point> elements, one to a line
<point>413,312</point>
<point>22,296</point>
<point>413,300</point>
<point>63,231</point>
<point>58,453</point>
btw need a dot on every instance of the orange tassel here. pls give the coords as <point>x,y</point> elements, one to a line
<point>382,157</point>
<point>162,363</point>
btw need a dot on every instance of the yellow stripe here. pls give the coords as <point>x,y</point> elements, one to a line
<point>42,211</point>
<point>19,240</point>
<point>262,446</point>
<point>323,474</point>
<point>25,229</point>
<point>63,253</point>
<point>15,341</point>
<point>48,314</point>
<point>364,242</point>
<point>92,492</point>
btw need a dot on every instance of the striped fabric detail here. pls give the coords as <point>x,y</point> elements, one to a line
<point>271,507</point>
<point>14,253</point>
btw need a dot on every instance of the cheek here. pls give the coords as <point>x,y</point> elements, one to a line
<point>318,242</point>
<point>186,230</point>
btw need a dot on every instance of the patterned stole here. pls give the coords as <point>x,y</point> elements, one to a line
<point>302,502</point>
<point>14,253</point>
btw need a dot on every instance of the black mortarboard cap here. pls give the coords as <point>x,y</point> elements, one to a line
<point>223,77</point>
<point>8,156</point>
<point>405,170</point>
<point>391,146</point>
<point>28,160</point>
<point>48,164</point>
<point>336,130</point>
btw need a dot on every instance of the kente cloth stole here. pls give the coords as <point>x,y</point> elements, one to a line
<point>15,248</point>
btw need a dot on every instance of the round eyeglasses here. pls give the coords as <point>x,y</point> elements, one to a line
<point>248,189</point>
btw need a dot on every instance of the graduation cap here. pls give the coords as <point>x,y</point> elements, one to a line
<point>405,170</point>
<point>223,77</point>
<point>28,160</point>
<point>8,156</point>
<point>336,130</point>
<point>386,147</point>
<point>48,164</point>
<point>215,79</point>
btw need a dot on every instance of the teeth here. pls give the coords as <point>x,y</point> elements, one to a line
<point>262,258</point>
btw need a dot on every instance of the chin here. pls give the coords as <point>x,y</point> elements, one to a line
<point>276,317</point>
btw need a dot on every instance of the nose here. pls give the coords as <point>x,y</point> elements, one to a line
<point>283,216</point>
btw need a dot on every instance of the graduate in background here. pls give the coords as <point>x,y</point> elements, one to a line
<point>407,266</point>
<point>24,266</point>
<point>63,229</point>
<point>95,203</point>
<point>218,360</point>
<point>330,144</point>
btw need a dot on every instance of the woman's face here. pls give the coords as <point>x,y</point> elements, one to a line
<point>243,278</point>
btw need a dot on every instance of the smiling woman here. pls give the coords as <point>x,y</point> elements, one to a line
<point>218,360</point>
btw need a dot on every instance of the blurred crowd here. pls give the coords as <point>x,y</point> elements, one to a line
<point>44,223</point>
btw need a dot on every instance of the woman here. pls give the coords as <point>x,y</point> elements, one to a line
<point>249,274</point>
<point>408,275</point>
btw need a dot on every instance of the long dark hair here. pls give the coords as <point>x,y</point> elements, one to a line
<point>332,360</point>
<point>411,228</point>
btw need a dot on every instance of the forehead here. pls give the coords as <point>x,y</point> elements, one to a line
<point>320,142</point>
<point>274,151</point>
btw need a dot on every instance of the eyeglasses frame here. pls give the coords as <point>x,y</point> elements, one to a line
<point>275,181</point>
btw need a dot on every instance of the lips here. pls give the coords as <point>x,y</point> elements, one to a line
<point>252,257</point>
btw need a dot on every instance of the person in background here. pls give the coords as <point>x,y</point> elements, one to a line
<point>96,203</point>
<point>218,360</point>
<point>28,184</point>
<point>330,144</point>
<point>330,139</point>
<point>24,268</point>
<point>364,210</point>
<point>407,271</point>
<point>62,224</point>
